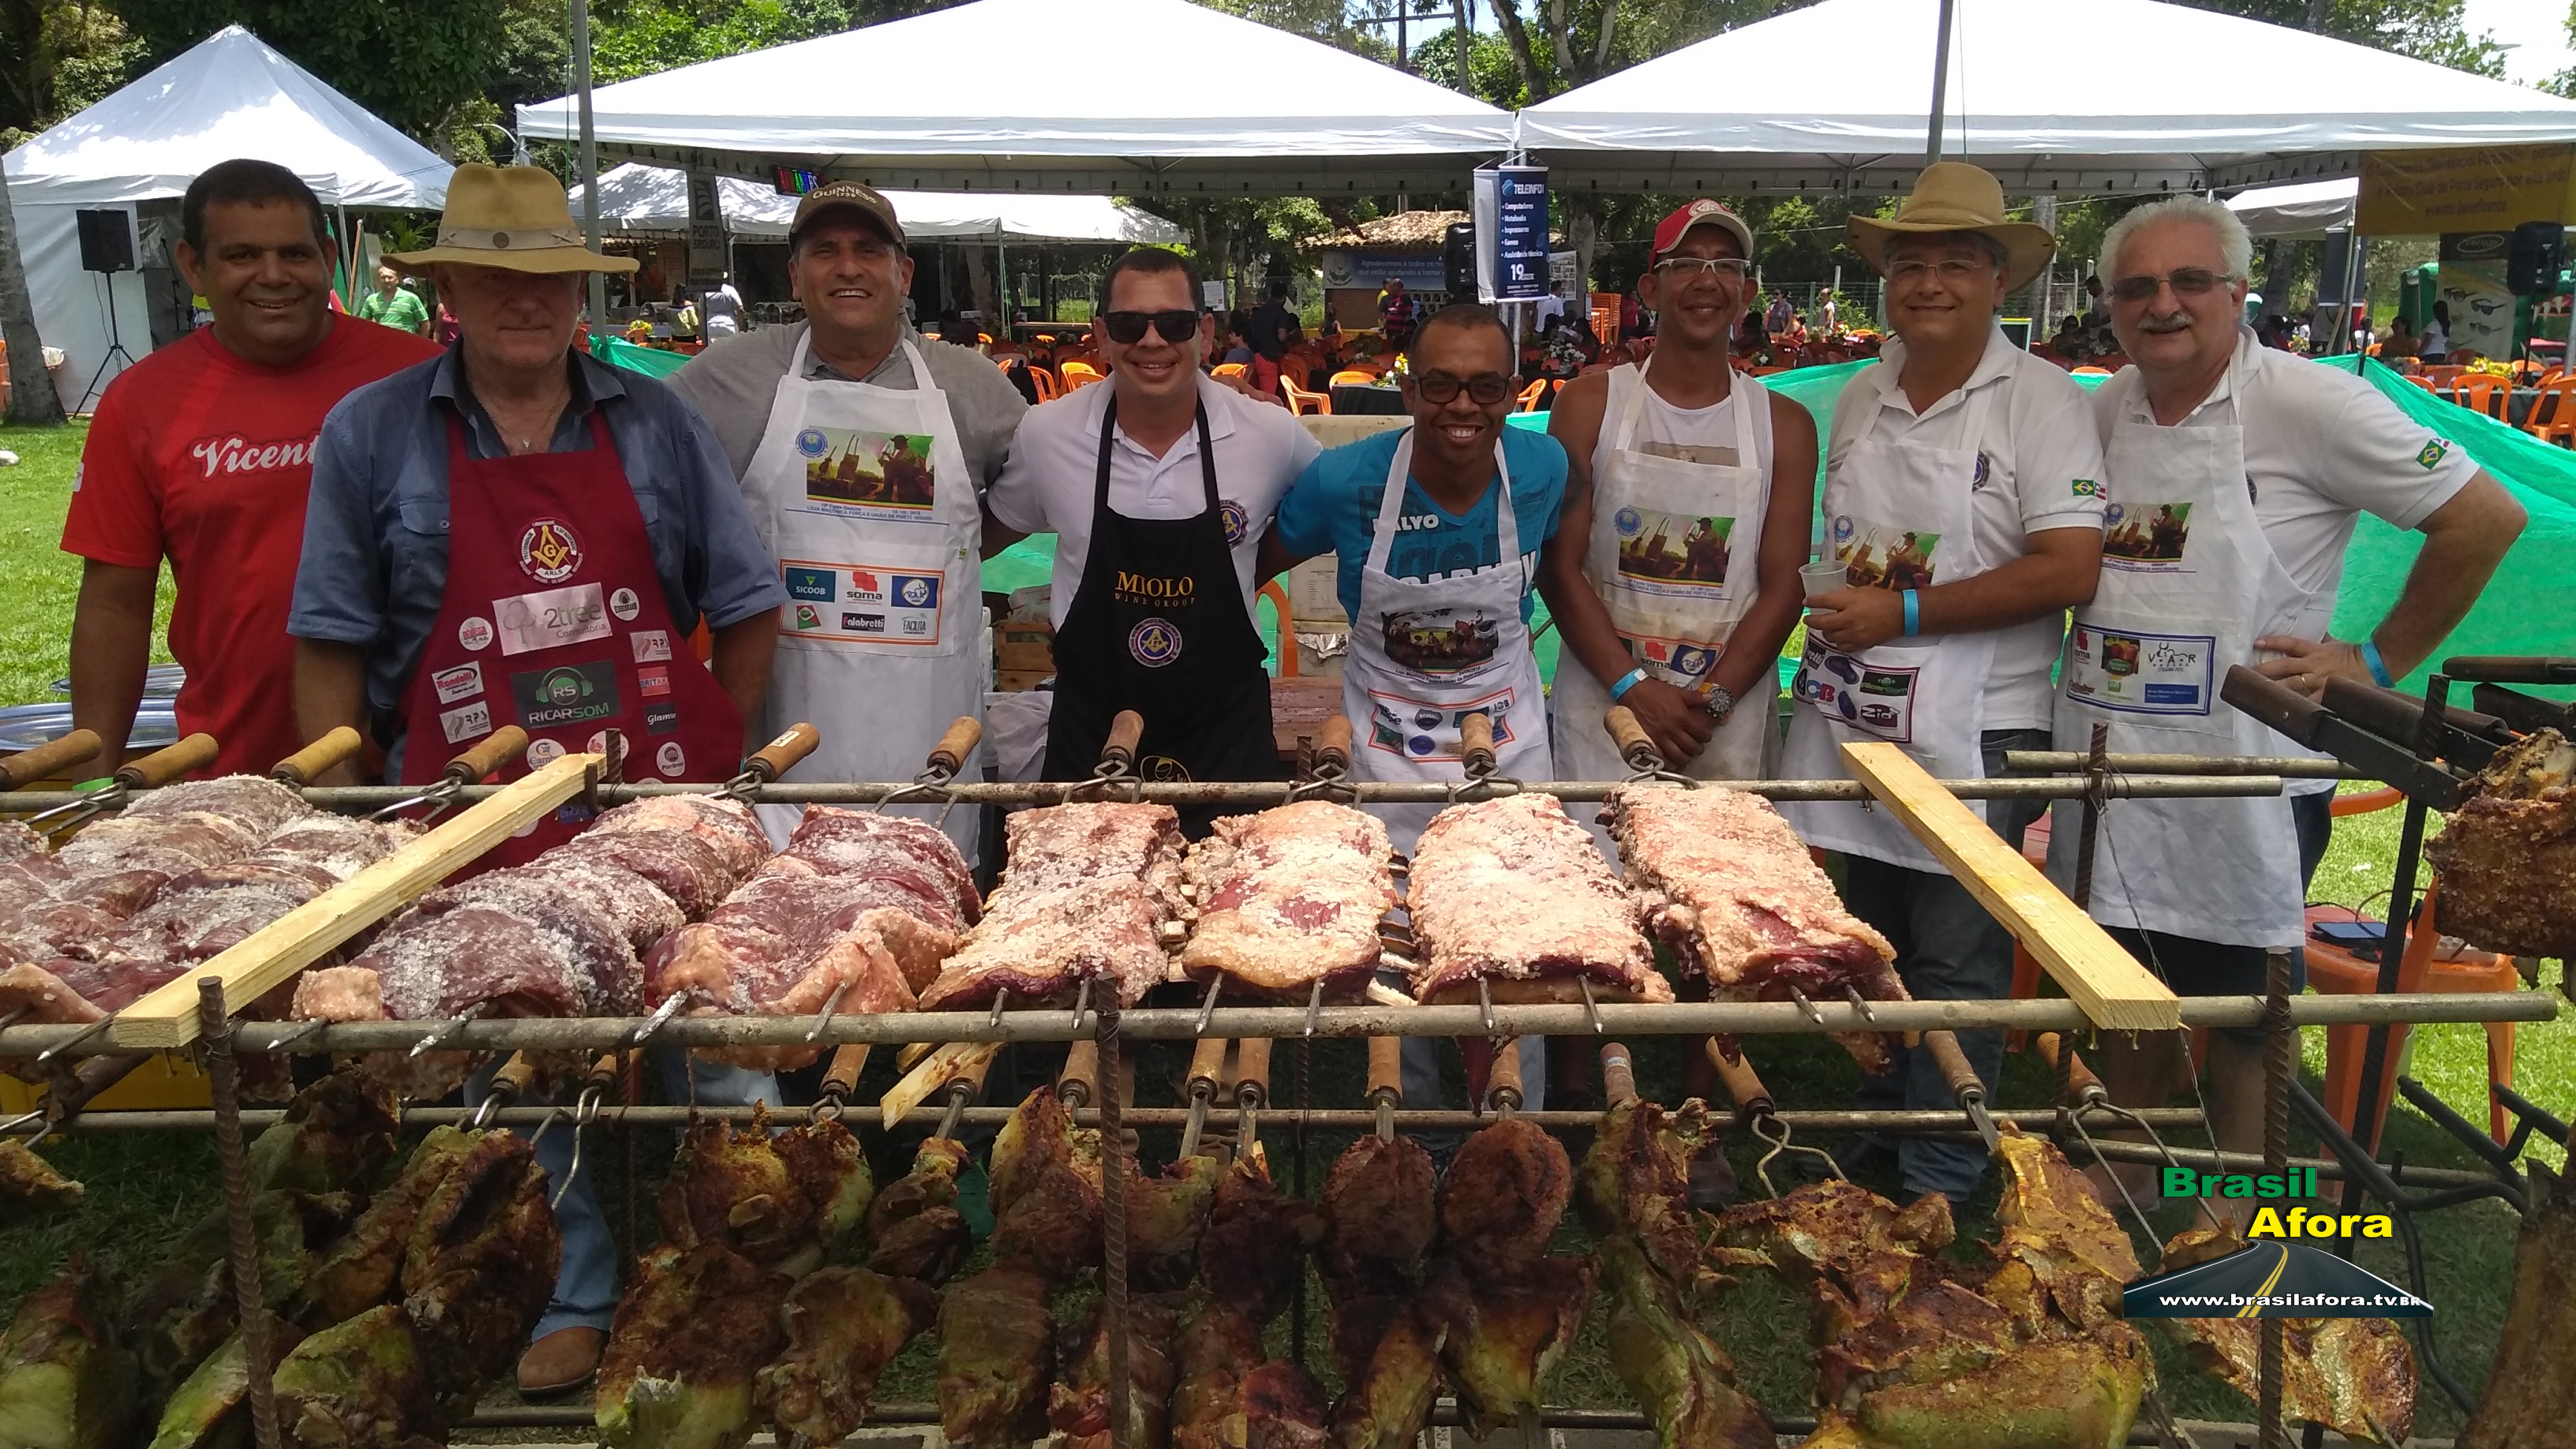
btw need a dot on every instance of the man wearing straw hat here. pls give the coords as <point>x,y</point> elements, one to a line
<point>513,533</point>
<point>1963,495</point>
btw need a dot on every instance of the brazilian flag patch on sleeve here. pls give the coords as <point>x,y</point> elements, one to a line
<point>2089,488</point>
<point>2433,453</point>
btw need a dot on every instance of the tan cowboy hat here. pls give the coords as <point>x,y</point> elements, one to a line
<point>1955,196</point>
<point>514,217</point>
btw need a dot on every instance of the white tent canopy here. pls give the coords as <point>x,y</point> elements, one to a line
<point>228,97</point>
<point>2107,96</point>
<point>2301,209</point>
<point>655,199</point>
<point>1101,97</point>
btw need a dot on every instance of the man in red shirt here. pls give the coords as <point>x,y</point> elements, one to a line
<point>202,453</point>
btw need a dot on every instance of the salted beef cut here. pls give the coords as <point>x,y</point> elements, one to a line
<point>1090,888</point>
<point>1288,900</point>
<point>1512,899</point>
<point>859,911</point>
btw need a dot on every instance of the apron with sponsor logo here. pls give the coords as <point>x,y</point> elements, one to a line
<point>861,493</point>
<point>1426,653</point>
<point>2189,582</point>
<point>1898,517</point>
<point>1673,552</point>
<point>1158,626</point>
<point>554,620</point>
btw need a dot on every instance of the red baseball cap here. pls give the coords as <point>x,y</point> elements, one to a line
<point>1699,212</point>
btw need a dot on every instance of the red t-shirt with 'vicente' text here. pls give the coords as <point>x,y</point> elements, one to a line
<point>204,458</point>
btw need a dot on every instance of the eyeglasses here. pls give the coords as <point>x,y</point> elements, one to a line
<point>1440,388</point>
<point>1128,328</point>
<point>2185,281</point>
<point>1724,269</point>
<point>1948,269</point>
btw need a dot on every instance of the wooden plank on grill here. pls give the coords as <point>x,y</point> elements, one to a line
<point>271,955</point>
<point>2114,990</point>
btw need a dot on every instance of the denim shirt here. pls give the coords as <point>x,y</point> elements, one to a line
<point>374,568</point>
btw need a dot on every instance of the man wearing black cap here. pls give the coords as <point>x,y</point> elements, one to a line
<point>864,451</point>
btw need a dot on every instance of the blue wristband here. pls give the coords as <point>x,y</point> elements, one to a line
<point>2378,666</point>
<point>1626,682</point>
<point>1913,613</point>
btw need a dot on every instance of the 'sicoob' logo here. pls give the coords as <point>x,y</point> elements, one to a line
<point>548,552</point>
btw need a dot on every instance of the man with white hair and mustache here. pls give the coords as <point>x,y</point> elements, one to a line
<point>2235,475</point>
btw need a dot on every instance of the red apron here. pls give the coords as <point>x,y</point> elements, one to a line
<point>554,620</point>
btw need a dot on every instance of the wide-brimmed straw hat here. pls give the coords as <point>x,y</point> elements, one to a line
<point>513,217</point>
<point>1953,196</point>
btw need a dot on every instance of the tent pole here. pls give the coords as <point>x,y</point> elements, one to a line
<point>1940,83</point>
<point>589,157</point>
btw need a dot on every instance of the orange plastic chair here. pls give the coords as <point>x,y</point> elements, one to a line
<point>2481,392</point>
<point>2420,380</point>
<point>1278,597</point>
<point>1044,382</point>
<point>2552,418</point>
<point>2425,967</point>
<point>1079,374</point>
<point>2444,374</point>
<point>1228,369</point>
<point>1533,395</point>
<point>1354,377</point>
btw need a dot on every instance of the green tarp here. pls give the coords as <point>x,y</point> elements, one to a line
<point>2529,608</point>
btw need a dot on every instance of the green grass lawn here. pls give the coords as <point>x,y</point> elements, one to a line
<point>145,1190</point>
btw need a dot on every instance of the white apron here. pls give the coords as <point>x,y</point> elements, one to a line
<point>1673,553</point>
<point>2189,582</point>
<point>1426,653</point>
<point>1899,515</point>
<point>862,495</point>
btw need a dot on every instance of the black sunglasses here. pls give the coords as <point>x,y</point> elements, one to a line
<point>1437,387</point>
<point>1128,328</point>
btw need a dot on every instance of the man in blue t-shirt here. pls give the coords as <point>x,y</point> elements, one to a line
<point>1437,557</point>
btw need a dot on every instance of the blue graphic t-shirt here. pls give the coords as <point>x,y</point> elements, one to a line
<point>1333,506</point>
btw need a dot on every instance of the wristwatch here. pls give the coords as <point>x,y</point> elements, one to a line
<point>1719,701</point>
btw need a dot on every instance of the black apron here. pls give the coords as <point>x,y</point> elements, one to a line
<point>1158,626</point>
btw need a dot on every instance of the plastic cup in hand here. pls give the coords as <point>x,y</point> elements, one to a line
<point>1824,577</point>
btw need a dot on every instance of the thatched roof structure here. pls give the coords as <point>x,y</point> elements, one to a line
<point>1404,230</point>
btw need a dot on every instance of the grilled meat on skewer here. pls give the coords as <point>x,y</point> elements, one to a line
<point>1685,1382</point>
<point>1078,1405</point>
<point>996,1352</point>
<point>859,911</point>
<point>1090,889</point>
<point>1167,1212</point>
<point>1380,1215</point>
<point>844,1325</point>
<point>1254,1249</point>
<point>913,1227</point>
<point>2054,1224</point>
<point>31,1182</point>
<point>1046,1189</point>
<point>64,1378</point>
<point>687,1346</point>
<point>1635,1180</point>
<point>784,1200</point>
<point>1727,885</point>
<point>2534,1346</point>
<point>2340,1372</point>
<point>1218,1348</point>
<point>479,1266</point>
<point>1512,894</point>
<point>2080,1390</point>
<point>357,1384</point>
<point>1290,899</point>
<point>1506,1312</point>
<point>2507,854</point>
<point>1505,1194</point>
<point>1380,1219</point>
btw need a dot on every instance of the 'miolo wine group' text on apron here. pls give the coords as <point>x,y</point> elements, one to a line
<point>1673,552</point>
<point>862,494</point>
<point>554,620</point>
<point>2189,582</point>
<point>1159,626</point>
<point>1426,653</point>
<point>1898,517</point>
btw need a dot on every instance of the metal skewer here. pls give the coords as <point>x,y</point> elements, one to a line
<point>1314,1005</point>
<point>1207,1008</point>
<point>831,1005</point>
<point>1805,1005</point>
<point>21,1120</point>
<point>60,1047</point>
<point>1591,1006</point>
<point>452,1027</point>
<point>660,1018</point>
<point>1859,1002</point>
<point>1485,1001</point>
<point>1001,999</point>
<point>11,1019</point>
<point>1081,1002</point>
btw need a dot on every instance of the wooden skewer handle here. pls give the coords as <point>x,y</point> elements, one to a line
<point>1252,1065</point>
<point>604,1072</point>
<point>1081,1072</point>
<point>781,754</point>
<point>163,766</point>
<point>957,746</point>
<point>1386,1067</point>
<point>2080,1081</point>
<point>515,1075</point>
<point>1505,1074</point>
<point>1333,745</point>
<point>28,766</point>
<point>1476,743</point>
<point>841,1078</point>
<point>1126,732</point>
<point>2274,703</point>
<point>1627,734</point>
<point>1618,1074</point>
<point>971,1071</point>
<point>1207,1063</point>
<point>1752,1099</point>
<point>1944,1046</point>
<point>301,767</point>
<point>489,754</point>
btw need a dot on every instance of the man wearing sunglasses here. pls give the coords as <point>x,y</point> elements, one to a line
<point>1437,530</point>
<point>1158,484</point>
<point>2237,474</point>
<point>1673,578</point>
<point>1963,496</point>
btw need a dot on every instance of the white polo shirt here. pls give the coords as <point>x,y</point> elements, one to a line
<point>2043,470</point>
<point>1046,486</point>
<point>2322,447</point>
